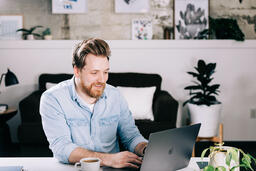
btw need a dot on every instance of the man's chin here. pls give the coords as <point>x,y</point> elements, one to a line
<point>97,93</point>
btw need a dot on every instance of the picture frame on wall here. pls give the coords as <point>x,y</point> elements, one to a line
<point>191,19</point>
<point>69,6</point>
<point>8,26</point>
<point>142,29</point>
<point>131,6</point>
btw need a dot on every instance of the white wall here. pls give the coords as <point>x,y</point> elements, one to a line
<point>170,58</point>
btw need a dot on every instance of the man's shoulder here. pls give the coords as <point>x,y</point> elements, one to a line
<point>60,88</point>
<point>111,90</point>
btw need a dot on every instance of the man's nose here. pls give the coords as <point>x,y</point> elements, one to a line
<point>101,78</point>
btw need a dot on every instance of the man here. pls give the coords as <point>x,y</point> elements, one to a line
<point>84,116</point>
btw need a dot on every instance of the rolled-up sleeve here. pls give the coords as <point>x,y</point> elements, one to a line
<point>128,131</point>
<point>55,127</point>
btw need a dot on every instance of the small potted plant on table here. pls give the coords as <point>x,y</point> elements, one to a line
<point>28,34</point>
<point>225,158</point>
<point>46,34</point>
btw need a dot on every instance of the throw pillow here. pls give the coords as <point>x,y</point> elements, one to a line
<point>139,101</point>
<point>49,85</point>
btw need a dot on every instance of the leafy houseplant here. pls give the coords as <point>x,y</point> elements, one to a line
<point>223,158</point>
<point>202,93</point>
<point>29,33</point>
<point>222,28</point>
<point>225,28</point>
<point>46,34</point>
<point>203,106</point>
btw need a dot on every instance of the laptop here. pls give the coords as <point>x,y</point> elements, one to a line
<point>168,150</point>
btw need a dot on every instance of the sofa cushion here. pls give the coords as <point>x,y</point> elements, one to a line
<point>139,101</point>
<point>52,78</point>
<point>130,79</point>
<point>50,85</point>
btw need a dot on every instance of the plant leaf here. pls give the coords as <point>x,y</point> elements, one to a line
<point>240,165</point>
<point>36,34</point>
<point>193,74</point>
<point>24,30</point>
<point>220,168</point>
<point>252,158</point>
<point>193,87</point>
<point>228,158</point>
<point>234,153</point>
<point>209,168</point>
<point>201,66</point>
<point>203,153</point>
<point>247,161</point>
<point>210,69</point>
<point>33,28</point>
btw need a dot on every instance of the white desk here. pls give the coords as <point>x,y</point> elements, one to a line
<point>51,164</point>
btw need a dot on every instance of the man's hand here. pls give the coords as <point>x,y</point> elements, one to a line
<point>116,160</point>
<point>122,159</point>
<point>140,148</point>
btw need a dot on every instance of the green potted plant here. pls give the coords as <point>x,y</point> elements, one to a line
<point>29,34</point>
<point>225,28</point>
<point>224,158</point>
<point>46,34</point>
<point>203,105</point>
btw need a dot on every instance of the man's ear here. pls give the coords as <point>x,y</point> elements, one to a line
<point>76,71</point>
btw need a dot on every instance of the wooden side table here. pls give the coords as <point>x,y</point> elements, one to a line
<point>5,137</point>
<point>215,139</point>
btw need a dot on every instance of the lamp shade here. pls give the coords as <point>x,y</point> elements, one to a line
<point>10,78</point>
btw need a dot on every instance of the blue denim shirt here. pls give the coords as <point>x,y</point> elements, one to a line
<point>69,124</point>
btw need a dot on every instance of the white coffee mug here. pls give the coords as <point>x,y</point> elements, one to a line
<point>88,164</point>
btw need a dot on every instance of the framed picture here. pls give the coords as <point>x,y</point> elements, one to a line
<point>141,29</point>
<point>8,26</point>
<point>69,6</point>
<point>191,19</point>
<point>131,6</point>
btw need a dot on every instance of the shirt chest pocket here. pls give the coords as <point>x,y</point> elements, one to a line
<point>108,128</point>
<point>80,130</point>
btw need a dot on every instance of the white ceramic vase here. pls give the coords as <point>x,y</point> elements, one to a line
<point>30,37</point>
<point>48,37</point>
<point>208,116</point>
<point>219,159</point>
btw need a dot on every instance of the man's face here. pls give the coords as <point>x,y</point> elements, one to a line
<point>93,76</point>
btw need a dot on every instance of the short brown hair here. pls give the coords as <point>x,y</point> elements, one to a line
<point>97,47</point>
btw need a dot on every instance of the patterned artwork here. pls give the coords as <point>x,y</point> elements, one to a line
<point>141,29</point>
<point>69,6</point>
<point>9,25</point>
<point>191,19</point>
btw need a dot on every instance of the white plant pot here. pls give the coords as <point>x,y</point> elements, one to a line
<point>208,116</point>
<point>30,37</point>
<point>48,37</point>
<point>219,159</point>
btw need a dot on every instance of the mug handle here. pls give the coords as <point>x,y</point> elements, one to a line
<point>78,165</point>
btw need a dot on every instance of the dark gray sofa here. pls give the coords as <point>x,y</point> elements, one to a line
<point>30,132</point>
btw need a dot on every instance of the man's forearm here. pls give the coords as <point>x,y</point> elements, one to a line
<point>116,160</point>
<point>140,148</point>
<point>79,153</point>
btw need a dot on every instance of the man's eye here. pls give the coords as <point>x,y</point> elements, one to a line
<point>105,72</point>
<point>94,73</point>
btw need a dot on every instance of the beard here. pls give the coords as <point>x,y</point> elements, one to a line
<point>92,90</point>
